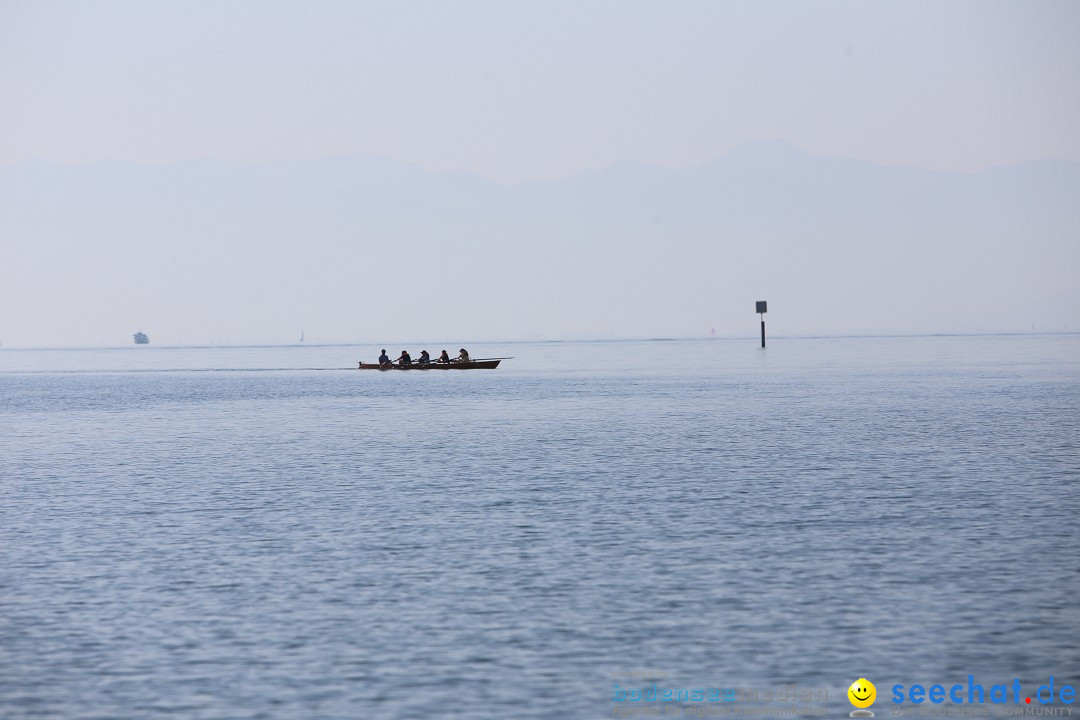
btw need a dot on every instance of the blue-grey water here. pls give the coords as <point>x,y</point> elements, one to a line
<point>252,533</point>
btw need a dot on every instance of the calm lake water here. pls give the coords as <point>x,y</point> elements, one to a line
<point>251,533</point>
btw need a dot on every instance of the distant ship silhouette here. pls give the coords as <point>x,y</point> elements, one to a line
<point>142,338</point>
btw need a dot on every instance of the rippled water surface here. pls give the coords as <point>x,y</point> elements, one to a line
<point>252,533</point>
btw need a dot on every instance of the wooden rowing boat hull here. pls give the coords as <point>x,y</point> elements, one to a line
<point>475,365</point>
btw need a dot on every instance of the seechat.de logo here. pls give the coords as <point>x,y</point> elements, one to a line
<point>975,694</point>
<point>862,694</point>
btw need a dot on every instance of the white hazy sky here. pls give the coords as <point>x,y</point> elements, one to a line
<point>531,91</point>
<point>538,90</point>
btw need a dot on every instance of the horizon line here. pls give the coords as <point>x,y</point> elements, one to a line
<point>549,341</point>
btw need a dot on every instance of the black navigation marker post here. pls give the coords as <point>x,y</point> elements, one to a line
<point>762,308</point>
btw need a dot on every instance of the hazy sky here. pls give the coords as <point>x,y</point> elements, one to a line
<point>517,90</point>
<point>267,237</point>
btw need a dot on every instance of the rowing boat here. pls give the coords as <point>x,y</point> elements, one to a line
<point>471,365</point>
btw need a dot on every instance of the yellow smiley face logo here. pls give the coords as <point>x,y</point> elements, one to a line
<point>862,693</point>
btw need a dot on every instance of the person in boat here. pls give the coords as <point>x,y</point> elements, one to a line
<point>384,359</point>
<point>425,359</point>
<point>464,356</point>
<point>404,360</point>
<point>444,359</point>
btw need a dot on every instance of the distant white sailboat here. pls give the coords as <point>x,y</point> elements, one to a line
<point>301,336</point>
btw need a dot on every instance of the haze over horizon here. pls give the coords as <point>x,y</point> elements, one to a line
<point>241,172</point>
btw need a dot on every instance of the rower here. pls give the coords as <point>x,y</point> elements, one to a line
<point>384,359</point>
<point>464,356</point>
<point>425,359</point>
<point>404,360</point>
<point>444,358</point>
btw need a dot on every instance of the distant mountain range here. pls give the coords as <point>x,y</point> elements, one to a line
<point>361,247</point>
